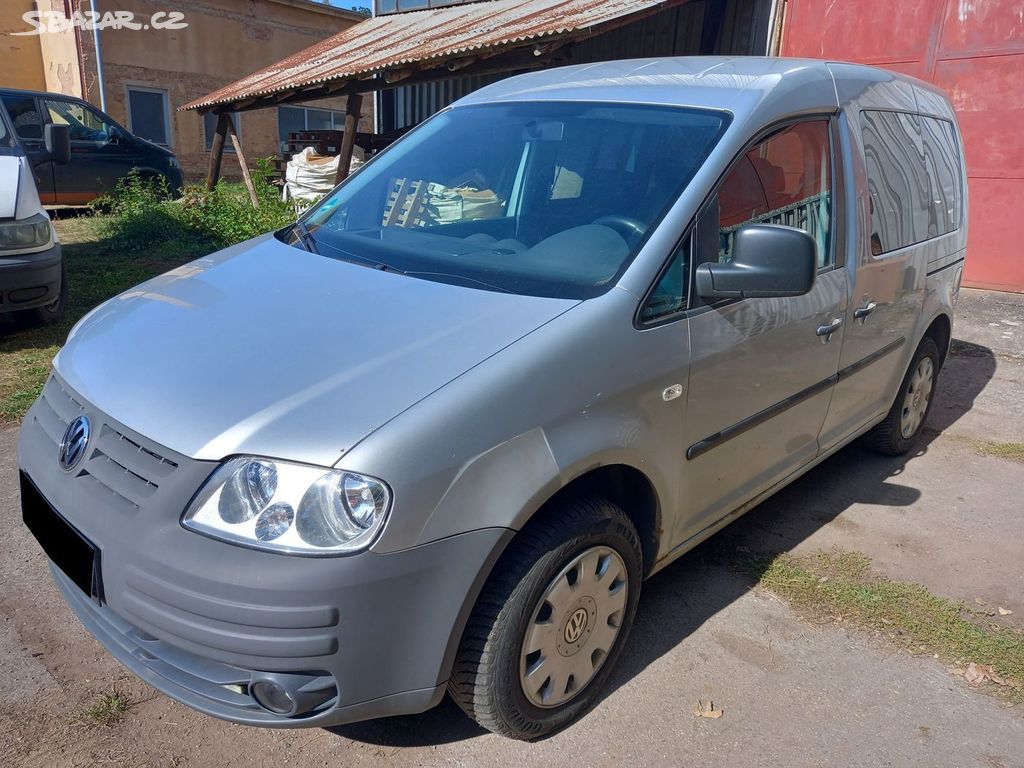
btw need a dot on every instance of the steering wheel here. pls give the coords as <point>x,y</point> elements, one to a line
<point>631,229</point>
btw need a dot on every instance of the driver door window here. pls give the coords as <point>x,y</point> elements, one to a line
<point>785,179</point>
<point>85,124</point>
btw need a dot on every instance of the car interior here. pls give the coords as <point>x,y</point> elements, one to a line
<point>556,200</point>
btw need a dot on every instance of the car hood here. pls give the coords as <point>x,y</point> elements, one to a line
<point>18,196</point>
<point>153,146</point>
<point>269,350</point>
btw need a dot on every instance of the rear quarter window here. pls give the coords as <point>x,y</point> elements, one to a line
<point>913,171</point>
<point>942,162</point>
<point>24,113</point>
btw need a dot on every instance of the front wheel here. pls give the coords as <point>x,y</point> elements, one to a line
<point>551,621</point>
<point>902,426</point>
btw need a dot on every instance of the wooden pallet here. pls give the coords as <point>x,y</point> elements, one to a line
<point>405,203</point>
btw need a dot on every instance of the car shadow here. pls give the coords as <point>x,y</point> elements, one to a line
<point>679,599</point>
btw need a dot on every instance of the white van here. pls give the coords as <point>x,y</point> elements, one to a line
<point>32,280</point>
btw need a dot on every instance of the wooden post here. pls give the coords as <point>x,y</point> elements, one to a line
<point>241,161</point>
<point>217,151</point>
<point>353,109</point>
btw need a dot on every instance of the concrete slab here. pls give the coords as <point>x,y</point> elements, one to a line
<point>991,319</point>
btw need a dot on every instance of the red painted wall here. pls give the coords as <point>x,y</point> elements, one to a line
<point>972,49</point>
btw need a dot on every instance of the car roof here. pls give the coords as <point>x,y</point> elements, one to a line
<point>741,85</point>
<point>25,92</point>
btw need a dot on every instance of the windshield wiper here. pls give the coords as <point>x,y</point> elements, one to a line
<point>305,237</point>
<point>357,259</point>
<point>385,267</point>
<point>446,276</point>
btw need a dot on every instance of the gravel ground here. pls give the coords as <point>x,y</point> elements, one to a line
<point>793,692</point>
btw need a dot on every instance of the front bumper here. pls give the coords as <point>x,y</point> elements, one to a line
<point>198,618</point>
<point>30,280</point>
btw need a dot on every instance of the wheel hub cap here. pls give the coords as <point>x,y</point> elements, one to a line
<point>573,627</point>
<point>916,397</point>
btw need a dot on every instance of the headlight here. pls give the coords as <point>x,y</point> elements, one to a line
<point>172,161</point>
<point>286,507</point>
<point>33,232</point>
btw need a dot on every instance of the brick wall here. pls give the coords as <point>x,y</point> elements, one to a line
<point>225,40</point>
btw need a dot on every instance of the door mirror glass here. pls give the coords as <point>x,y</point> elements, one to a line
<point>58,143</point>
<point>767,260</point>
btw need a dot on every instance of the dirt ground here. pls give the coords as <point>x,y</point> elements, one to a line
<point>793,692</point>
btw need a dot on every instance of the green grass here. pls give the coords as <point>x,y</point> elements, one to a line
<point>843,587</point>
<point>1011,451</point>
<point>108,708</point>
<point>98,268</point>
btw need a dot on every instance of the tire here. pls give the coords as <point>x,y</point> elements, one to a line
<point>897,433</point>
<point>49,314</point>
<point>488,675</point>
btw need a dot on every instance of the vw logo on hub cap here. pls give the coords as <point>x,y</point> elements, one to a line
<point>73,445</point>
<point>575,625</point>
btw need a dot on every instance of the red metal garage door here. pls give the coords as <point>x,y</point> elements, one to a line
<point>974,50</point>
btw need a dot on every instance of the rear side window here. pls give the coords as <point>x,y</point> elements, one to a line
<point>25,115</point>
<point>913,174</point>
<point>942,161</point>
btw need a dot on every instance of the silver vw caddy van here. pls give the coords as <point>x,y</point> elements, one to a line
<point>435,436</point>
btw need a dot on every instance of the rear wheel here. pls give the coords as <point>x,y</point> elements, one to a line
<point>551,622</point>
<point>902,426</point>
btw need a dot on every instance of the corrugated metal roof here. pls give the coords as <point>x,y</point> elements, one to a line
<point>430,36</point>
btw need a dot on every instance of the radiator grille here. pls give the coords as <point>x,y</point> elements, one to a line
<point>121,466</point>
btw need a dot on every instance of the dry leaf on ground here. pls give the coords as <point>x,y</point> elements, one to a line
<point>707,709</point>
<point>1004,611</point>
<point>980,673</point>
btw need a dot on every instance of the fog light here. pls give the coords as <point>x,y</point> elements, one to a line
<point>273,697</point>
<point>288,694</point>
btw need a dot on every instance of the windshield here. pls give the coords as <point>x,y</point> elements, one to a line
<point>540,198</point>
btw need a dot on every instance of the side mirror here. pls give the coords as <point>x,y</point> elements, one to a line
<point>767,260</point>
<point>57,139</point>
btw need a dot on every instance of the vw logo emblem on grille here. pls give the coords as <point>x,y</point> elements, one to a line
<point>72,446</point>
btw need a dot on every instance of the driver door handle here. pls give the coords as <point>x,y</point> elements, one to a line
<point>826,331</point>
<point>861,313</point>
